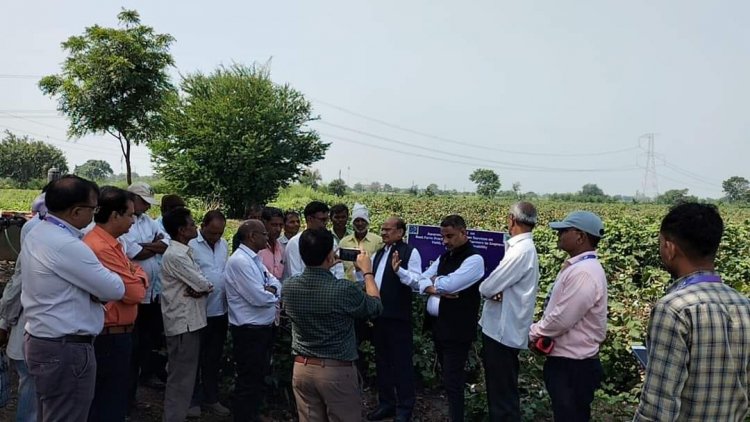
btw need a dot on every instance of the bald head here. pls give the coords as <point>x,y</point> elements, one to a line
<point>253,234</point>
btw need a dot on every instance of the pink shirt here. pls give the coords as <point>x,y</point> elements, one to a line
<point>576,316</point>
<point>273,261</point>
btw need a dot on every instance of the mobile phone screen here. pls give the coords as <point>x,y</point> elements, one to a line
<point>641,354</point>
<point>348,254</point>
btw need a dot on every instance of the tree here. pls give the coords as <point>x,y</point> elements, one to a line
<point>431,190</point>
<point>358,187</point>
<point>737,189</point>
<point>517,189</point>
<point>387,188</point>
<point>375,187</point>
<point>94,170</point>
<point>114,81</point>
<point>310,177</point>
<point>675,196</point>
<point>591,189</point>
<point>338,187</point>
<point>488,182</point>
<point>22,159</point>
<point>237,137</point>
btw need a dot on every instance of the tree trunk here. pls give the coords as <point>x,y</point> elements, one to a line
<point>127,162</point>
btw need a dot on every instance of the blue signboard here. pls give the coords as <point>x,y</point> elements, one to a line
<point>429,242</point>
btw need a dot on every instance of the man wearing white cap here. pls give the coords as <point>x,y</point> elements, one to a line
<point>362,238</point>
<point>143,243</point>
<point>575,319</point>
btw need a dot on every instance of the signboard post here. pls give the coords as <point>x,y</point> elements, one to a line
<point>429,242</point>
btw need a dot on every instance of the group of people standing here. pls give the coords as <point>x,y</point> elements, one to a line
<point>100,287</point>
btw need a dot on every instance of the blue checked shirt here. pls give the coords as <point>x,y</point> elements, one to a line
<point>698,356</point>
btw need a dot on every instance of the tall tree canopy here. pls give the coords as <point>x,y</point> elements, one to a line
<point>114,81</point>
<point>737,188</point>
<point>488,182</point>
<point>94,170</point>
<point>22,159</point>
<point>235,136</point>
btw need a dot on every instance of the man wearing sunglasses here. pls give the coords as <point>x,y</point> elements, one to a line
<point>575,319</point>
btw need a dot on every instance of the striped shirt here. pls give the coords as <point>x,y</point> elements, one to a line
<point>698,355</point>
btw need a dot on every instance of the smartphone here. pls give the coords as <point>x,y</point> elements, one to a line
<point>640,353</point>
<point>348,254</point>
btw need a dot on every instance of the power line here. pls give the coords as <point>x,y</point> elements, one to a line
<point>68,144</point>
<point>456,142</point>
<point>30,120</point>
<point>473,163</point>
<point>508,165</point>
<point>12,76</point>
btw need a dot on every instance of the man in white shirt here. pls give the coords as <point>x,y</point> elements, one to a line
<point>316,217</point>
<point>211,251</point>
<point>144,244</point>
<point>252,295</point>
<point>63,288</point>
<point>510,296</point>
<point>183,307</point>
<point>452,308</point>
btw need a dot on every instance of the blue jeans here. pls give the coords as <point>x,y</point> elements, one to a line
<point>26,410</point>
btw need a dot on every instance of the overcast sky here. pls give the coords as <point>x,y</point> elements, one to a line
<point>550,94</point>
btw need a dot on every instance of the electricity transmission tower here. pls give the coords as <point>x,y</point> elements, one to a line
<point>650,185</point>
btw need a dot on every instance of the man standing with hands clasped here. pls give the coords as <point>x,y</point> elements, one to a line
<point>575,319</point>
<point>510,293</point>
<point>452,308</point>
<point>699,332</point>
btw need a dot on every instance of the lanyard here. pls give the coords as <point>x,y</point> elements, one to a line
<point>60,224</point>
<point>698,278</point>
<point>549,295</point>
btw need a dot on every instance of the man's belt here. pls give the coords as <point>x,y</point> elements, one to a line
<point>322,362</point>
<point>117,329</point>
<point>70,338</point>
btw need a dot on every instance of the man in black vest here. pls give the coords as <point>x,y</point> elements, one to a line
<point>453,307</point>
<point>398,268</point>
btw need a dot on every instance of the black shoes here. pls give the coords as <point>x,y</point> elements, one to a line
<point>380,413</point>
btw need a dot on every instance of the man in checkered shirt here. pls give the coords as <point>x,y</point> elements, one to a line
<point>699,333</point>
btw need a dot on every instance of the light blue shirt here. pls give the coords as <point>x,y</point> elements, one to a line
<point>143,231</point>
<point>59,277</point>
<point>246,278</point>
<point>517,277</point>
<point>212,262</point>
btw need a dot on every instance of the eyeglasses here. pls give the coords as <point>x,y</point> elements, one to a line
<point>93,207</point>
<point>264,234</point>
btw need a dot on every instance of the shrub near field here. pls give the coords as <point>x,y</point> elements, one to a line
<point>629,253</point>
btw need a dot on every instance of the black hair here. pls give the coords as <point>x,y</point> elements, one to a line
<point>213,215</point>
<point>314,246</point>
<point>315,207</point>
<point>174,220</point>
<point>170,202</point>
<point>400,224</point>
<point>695,228</point>
<point>112,199</point>
<point>455,221</point>
<point>69,191</point>
<point>271,212</point>
<point>593,240</point>
<point>339,208</point>
<point>290,214</point>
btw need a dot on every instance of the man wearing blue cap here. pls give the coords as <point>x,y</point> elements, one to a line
<point>575,319</point>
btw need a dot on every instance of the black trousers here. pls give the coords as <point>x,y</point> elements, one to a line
<point>571,384</point>
<point>394,348</point>
<point>501,379</point>
<point>148,338</point>
<point>212,349</point>
<point>251,355</point>
<point>452,356</point>
<point>113,353</point>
